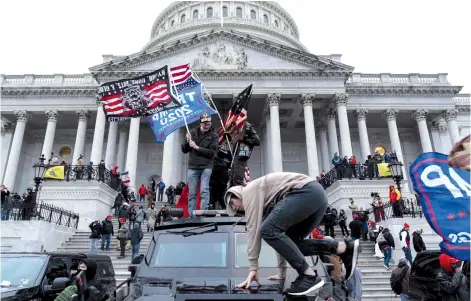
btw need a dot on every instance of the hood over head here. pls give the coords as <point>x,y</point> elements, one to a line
<point>402,262</point>
<point>237,192</point>
<point>91,269</point>
<point>386,230</point>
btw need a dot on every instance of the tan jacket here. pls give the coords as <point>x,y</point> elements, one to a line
<point>256,196</point>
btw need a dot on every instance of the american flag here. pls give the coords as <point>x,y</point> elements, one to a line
<point>180,74</point>
<point>237,116</point>
<point>146,92</point>
<point>247,175</point>
<point>125,177</point>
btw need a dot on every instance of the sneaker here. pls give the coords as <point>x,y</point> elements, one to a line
<point>387,267</point>
<point>350,257</point>
<point>304,285</point>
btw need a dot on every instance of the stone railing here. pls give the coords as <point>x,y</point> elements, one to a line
<point>48,80</point>
<point>398,79</point>
<point>462,99</point>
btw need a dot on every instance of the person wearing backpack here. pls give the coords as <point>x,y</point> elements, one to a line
<point>400,279</point>
<point>386,243</point>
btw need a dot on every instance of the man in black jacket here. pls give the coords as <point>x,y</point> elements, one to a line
<point>249,141</point>
<point>202,144</point>
<point>107,231</point>
<point>417,241</point>
<point>452,283</point>
<point>329,220</point>
<point>94,236</point>
<point>386,244</point>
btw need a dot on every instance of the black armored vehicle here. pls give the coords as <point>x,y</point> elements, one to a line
<point>205,258</point>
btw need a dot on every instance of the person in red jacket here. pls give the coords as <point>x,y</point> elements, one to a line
<point>317,233</point>
<point>142,193</point>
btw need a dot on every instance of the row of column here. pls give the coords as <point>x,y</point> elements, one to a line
<point>328,133</point>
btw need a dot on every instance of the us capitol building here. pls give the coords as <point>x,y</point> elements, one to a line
<point>305,106</point>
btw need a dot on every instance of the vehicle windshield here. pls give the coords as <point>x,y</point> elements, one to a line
<point>20,271</point>
<point>205,250</point>
<point>267,258</point>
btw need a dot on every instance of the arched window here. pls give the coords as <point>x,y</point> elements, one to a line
<point>253,14</point>
<point>276,23</point>
<point>265,19</point>
<point>225,12</point>
<point>239,12</point>
<point>183,18</point>
<point>209,12</point>
<point>195,14</point>
<point>172,23</point>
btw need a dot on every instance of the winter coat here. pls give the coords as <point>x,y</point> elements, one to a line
<point>405,238</point>
<point>356,228</point>
<point>418,242</point>
<point>151,217</point>
<point>208,146</point>
<point>394,195</point>
<point>163,216</point>
<point>329,218</point>
<point>132,213</point>
<point>142,190</point>
<point>123,211</point>
<point>389,240</point>
<point>398,271</point>
<point>140,216</point>
<point>453,287</point>
<point>150,195</point>
<point>107,227</point>
<point>96,230</point>
<point>123,232</point>
<point>342,218</point>
<point>136,235</point>
<point>317,234</point>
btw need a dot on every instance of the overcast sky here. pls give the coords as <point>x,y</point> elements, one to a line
<point>395,36</point>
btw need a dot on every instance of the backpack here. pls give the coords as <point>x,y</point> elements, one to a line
<point>396,281</point>
<point>380,239</point>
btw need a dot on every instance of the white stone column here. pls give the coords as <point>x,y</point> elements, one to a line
<point>450,118</point>
<point>168,158</point>
<point>83,116</point>
<point>341,101</point>
<point>390,115</point>
<point>311,144</point>
<point>361,115</point>
<point>276,154</point>
<point>133,146</point>
<point>52,117</point>
<point>322,127</point>
<point>435,133</point>
<point>420,116</point>
<point>111,145</point>
<point>7,138</point>
<point>123,138</point>
<point>15,152</point>
<point>98,136</point>
<point>332,129</point>
<point>268,160</point>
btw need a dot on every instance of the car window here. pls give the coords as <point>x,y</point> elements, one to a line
<point>205,250</point>
<point>105,268</point>
<point>267,258</point>
<point>57,268</point>
<point>20,271</point>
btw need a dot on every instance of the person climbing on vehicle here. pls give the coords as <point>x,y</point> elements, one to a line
<point>283,209</point>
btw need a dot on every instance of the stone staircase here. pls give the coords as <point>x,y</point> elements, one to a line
<point>79,243</point>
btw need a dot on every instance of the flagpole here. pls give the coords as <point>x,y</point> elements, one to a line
<point>213,104</point>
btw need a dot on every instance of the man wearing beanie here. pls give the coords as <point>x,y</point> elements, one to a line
<point>107,231</point>
<point>202,145</point>
<point>400,279</point>
<point>404,237</point>
<point>452,283</point>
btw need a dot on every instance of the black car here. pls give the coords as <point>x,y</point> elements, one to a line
<point>204,259</point>
<point>42,276</point>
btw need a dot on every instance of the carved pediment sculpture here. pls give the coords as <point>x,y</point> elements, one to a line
<point>219,56</point>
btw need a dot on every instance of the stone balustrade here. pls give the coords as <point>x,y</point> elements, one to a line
<point>398,79</point>
<point>55,80</point>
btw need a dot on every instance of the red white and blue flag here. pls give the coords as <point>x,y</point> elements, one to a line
<point>125,177</point>
<point>444,193</point>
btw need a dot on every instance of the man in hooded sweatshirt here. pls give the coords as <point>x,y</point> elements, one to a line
<point>283,209</point>
<point>417,241</point>
<point>89,266</point>
<point>452,283</point>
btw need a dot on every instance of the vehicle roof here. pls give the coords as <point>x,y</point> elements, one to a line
<point>56,254</point>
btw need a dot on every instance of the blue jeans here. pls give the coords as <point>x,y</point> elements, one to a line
<point>408,254</point>
<point>135,250</point>
<point>193,176</point>
<point>5,214</point>
<point>404,297</point>
<point>93,247</point>
<point>106,238</point>
<point>387,255</point>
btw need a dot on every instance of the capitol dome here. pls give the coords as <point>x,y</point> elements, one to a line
<point>264,19</point>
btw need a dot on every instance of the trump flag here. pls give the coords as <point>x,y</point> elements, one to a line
<point>444,194</point>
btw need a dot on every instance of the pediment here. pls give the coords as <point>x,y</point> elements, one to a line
<point>224,51</point>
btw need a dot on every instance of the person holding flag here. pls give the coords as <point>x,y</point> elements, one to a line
<point>202,145</point>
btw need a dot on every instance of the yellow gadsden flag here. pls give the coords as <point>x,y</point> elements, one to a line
<point>55,172</point>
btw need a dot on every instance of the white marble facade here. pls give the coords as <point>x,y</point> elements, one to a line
<point>299,99</point>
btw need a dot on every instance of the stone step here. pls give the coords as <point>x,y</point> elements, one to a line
<point>373,272</point>
<point>84,240</point>
<point>376,284</point>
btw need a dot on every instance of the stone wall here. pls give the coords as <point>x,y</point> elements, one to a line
<point>33,236</point>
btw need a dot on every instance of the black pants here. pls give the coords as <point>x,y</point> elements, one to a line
<point>397,212</point>
<point>294,217</point>
<point>122,246</point>
<point>142,198</point>
<point>329,230</point>
<point>344,229</point>
<point>238,173</point>
<point>216,192</point>
<point>161,196</point>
